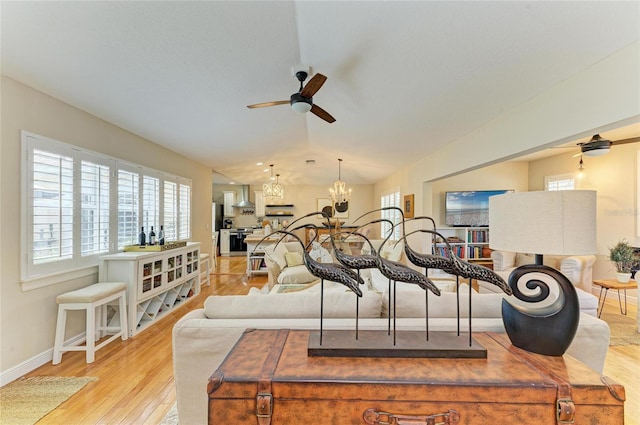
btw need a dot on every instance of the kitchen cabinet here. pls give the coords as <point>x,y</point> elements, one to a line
<point>225,247</point>
<point>229,201</point>
<point>259,203</point>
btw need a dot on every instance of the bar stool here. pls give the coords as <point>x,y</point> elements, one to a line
<point>91,298</point>
<point>214,252</point>
<point>204,269</point>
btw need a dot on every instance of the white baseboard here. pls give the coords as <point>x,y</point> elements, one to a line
<point>35,362</point>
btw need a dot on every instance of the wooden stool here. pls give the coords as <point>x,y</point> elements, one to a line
<point>90,298</point>
<point>204,269</point>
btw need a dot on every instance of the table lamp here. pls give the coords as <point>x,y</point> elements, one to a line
<point>552,223</point>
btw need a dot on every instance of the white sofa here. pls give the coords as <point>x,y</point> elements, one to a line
<point>203,337</point>
<point>578,269</point>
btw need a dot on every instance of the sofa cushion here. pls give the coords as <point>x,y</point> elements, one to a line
<point>295,275</point>
<point>338,303</point>
<point>410,302</point>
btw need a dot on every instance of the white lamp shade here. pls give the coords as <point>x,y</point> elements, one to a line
<point>549,222</point>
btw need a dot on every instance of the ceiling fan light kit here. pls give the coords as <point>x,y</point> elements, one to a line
<point>300,104</point>
<point>597,146</point>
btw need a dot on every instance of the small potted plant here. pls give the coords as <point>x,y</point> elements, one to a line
<point>624,258</point>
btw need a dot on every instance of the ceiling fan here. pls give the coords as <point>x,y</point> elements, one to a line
<point>302,100</point>
<point>599,146</point>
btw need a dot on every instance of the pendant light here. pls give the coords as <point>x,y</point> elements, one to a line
<point>339,193</point>
<point>271,189</point>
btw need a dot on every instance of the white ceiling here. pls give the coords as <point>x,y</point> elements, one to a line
<point>404,78</point>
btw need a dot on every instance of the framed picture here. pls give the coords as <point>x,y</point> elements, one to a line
<point>324,204</point>
<point>342,210</point>
<point>408,206</point>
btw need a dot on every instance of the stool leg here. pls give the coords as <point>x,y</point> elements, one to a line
<point>59,338</point>
<point>208,274</point>
<point>123,316</point>
<point>91,334</point>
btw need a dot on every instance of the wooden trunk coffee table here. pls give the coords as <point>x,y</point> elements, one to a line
<point>268,378</point>
<point>607,284</point>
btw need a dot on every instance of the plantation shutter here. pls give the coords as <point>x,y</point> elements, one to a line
<point>128,203</point>
<point>170,211</point>
<point>94,208</point>
<point>52,197</point>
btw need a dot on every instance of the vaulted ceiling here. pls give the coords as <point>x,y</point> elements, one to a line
<point>404,78</point>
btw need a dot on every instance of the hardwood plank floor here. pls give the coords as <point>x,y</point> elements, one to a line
<point>135,377</point>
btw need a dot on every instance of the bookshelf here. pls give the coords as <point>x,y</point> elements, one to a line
<point>468,243</point>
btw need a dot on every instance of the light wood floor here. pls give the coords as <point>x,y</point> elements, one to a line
<point>135,377</point>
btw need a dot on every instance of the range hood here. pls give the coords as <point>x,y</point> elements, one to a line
<point>244,198</point>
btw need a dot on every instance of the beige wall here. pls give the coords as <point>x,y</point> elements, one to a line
<point>28,319</point>
<point>614,176</point>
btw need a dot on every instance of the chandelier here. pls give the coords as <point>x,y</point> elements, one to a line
<point>339,193</point>
<point>271,189</point>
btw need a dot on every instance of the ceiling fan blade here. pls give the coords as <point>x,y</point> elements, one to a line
<point>623,141</point>
<point>265,104</point>
<point>318,111</point>
<point>313,85</point>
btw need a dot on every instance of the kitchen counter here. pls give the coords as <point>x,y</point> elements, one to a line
<point>255,253</point>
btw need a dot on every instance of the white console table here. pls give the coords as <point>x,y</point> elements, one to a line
<point>157,282</point>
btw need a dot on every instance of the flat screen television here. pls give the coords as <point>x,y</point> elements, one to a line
<point>469,208</point>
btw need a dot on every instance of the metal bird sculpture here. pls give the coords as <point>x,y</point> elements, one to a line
<point>398,272</point>
<point>329,271</point>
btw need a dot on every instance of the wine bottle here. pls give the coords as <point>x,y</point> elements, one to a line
<point>152,237</point>
<point>161,235</point>
<point>142,239</point>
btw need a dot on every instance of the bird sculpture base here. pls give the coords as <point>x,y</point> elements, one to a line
<point>409,344</point>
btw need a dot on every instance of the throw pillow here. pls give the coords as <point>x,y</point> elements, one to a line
<point>293,259</point>
<point>276,254</point>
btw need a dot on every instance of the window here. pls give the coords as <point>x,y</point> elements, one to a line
<point>170,211</point>
<point>127,208</point>
<point>51,218</point>
<point>560,182</point>
<point>390,200</point>
<point>94,208</point>
<point>80,205</point>
<point>185,212</point>
<point>150,202</point>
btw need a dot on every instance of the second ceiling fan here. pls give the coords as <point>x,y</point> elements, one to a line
<point>302,101</point>
<point>599,146</point>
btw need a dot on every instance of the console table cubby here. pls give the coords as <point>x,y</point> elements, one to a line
<point>157,282</point>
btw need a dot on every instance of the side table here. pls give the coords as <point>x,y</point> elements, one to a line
<point>607,284</point>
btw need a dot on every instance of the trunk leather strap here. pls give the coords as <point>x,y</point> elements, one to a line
<point>565,407</point>
<point>264,397</point>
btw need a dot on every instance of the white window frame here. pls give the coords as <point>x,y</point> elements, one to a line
<point>47,273</point>
<point>390,199</point>
<point>560,182</point>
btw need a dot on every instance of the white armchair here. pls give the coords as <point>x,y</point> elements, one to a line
<point>578,269</point>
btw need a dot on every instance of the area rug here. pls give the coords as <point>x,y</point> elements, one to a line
<point>624,329</point>
<point>171,418</point>
<point>27,400</point>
